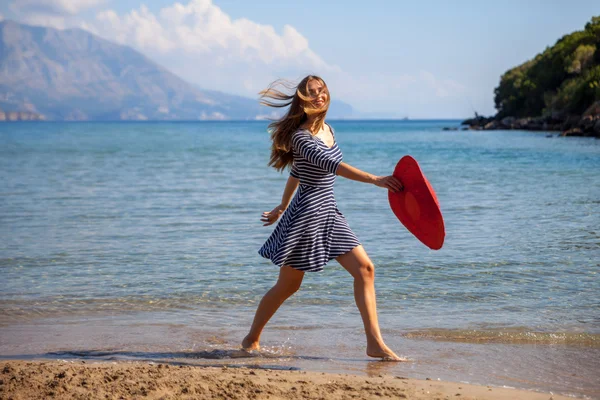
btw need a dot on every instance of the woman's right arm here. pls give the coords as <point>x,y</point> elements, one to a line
<point>389,182</point>
<point>290,187</point>
<point>307,147</point>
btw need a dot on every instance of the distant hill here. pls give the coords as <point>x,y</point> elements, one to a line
<point>75,75</point>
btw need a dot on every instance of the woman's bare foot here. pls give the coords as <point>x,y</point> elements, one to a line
<point>384,353</point>
<point>249,344</point>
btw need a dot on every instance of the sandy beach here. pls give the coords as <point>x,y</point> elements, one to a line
<point>129,380</point>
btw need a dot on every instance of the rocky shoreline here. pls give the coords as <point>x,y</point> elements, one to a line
<point>587,125</point>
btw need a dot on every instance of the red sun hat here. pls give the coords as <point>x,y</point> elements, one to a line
<point>417,206</point>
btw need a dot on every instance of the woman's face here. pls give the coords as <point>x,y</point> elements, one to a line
<point>318,93</point>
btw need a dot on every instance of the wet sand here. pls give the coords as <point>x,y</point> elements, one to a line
<point>130,380</point>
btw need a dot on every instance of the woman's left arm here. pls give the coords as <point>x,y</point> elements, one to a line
<point>269,217</point>
<point>389,182</point>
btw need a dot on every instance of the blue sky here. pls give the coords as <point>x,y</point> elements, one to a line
<point>427,59</point>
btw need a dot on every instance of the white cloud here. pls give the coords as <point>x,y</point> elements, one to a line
<point>49,20</point>
<point>1,17</point>
<point>59,14</point>
<point>202,28</point>
<point>204,45</point>
<point>139,28</point>
<point>71,7</point>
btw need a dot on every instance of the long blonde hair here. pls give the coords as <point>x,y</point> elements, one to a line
<point>301,107</point>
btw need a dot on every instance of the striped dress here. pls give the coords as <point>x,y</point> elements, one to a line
<point>312,230</point>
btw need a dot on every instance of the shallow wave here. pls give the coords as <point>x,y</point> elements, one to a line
<point>508,336</point>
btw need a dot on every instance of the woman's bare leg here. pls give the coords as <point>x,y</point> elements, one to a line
<point>288,283</point>
<point>359,265</point>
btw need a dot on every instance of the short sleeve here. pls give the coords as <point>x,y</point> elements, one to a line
<point>305,144</point>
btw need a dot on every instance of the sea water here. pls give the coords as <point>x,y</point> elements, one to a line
<point>139,241</point>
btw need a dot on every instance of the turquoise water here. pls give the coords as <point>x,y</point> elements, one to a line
<point>106,227</point>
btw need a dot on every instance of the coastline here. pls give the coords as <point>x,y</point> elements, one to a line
<point>587,124</point>
<point>113,380</point>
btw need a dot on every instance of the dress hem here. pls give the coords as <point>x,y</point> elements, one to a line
<point>314,269</point>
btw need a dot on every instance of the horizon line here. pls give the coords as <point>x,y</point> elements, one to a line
<point>239,120</point>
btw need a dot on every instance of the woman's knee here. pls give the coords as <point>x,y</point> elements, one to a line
<point>289,280</point>
<point>289,287</point>
<point>366,271</point>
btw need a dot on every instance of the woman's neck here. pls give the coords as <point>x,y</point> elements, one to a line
<point>309,124</point>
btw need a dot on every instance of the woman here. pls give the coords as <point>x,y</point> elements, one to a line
<point>312,230</point>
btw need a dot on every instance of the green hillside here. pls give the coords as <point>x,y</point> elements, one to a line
<point>562,80</point>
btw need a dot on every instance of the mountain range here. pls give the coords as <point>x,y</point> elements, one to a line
<point>74,75</point>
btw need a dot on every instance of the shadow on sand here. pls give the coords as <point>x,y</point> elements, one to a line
<point>255,359</point>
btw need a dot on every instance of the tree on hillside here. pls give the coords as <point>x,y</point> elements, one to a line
<point>565,78</point>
